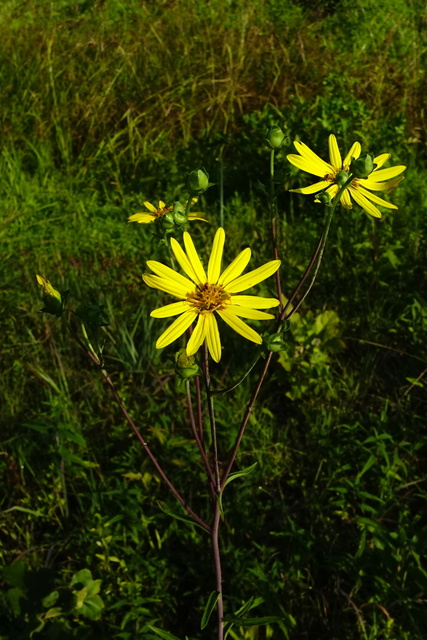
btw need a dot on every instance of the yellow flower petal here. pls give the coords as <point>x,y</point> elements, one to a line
<point>198,336</point>
<point>386,174</point>
<point>162,204</point>
<point>381,159</point>
<point>150,207</point>
<point>365,203</point>
<point>334,153</point>
<point>251,314</point>
<point>182,259</point>
<point>354,152</point>
<point>376,186</point>
<point>313,188</point>
<point>170,310</point>
<point>307,153</point>
<point>255,302</point>
<point>142,218</point>
<point>197,215</point>
<point>212,337</point>
<point>239,326</point>
<point>345,200</point>
<point>236,267</point>
<point>167,286</point>
<point>214,266</point>
<point>194,259</point>
<point>376,199</point>
<point>253,277</point>
<point>176,329</point>
<point>169,274</point>
<point>308,165</point>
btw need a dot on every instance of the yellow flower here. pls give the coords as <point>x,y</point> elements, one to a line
<point>156,213</point>
<point>202,294</point>
<point>359,189</point>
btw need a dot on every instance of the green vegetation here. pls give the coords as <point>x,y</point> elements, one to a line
<point>106,104</point>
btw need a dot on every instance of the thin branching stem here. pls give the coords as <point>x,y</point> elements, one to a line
<point>211,410</point>
<point>198,441</point>
<point>92,355</point>
<point>316,259</point>
<point>273,216</point>
<point>246,418</point>
<point>199,407</point>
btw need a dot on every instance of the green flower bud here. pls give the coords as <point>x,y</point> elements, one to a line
<point>167,221</point>
<point>274,137</point>
<point>362,166</point>
<point>323,197</point>
<point>53,300</point>
<point>179,214</point>
<point>92,314</point>
<point>198,181</point>
<point>186,366</point>
<point>341,178</point>
<point>275,342</point>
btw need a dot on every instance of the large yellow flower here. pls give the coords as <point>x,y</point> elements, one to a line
<point>359,189</point>
<point>154,213</point>
<point>202,294</point>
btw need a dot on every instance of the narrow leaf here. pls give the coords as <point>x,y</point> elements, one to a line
<point>178,516</point>
<point>210,606</point>
<point>252,622</point>
<point>162,634</point>
<point>238,474</point>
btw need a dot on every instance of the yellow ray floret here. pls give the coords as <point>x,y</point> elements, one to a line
<point>359,189</point>
<point>202,295</point>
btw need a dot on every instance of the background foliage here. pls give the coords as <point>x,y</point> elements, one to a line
<point>107,103</point>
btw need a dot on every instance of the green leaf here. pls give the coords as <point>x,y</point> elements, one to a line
<point>178,516</point>
<point>252,622</point>
<point>238,474</point>
<point>368,464</point>
<point>210,606</point>
<point>162,634</point>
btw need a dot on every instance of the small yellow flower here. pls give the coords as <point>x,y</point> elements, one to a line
<point>202,294</point>
<point>156,213</point>
<point>359,189</point>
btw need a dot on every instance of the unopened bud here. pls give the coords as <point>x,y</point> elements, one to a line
<point>275,342</point>
<point>274,137</point>
<point>323,197</point>
<point>167,221</point>
<point>186,367</point>
<point>198,181</point>
<point>362,166</point>
<point>179,213</point>
<point>341,178</point>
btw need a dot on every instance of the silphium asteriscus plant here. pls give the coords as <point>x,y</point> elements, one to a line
<point>334,174</point>
<point>157,213</point>
<point>204,295</point>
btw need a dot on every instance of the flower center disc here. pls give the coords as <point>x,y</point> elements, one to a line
<point>208,297</point>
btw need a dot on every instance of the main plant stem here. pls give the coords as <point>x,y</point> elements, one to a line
<point>217,495</point>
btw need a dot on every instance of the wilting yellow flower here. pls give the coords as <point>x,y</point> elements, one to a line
<point>359,189</point>
<point>52,298</point>
<point>156,213</point>
<point>202,294</point>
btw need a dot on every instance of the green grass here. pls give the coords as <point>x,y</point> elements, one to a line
<point>107,104</point>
